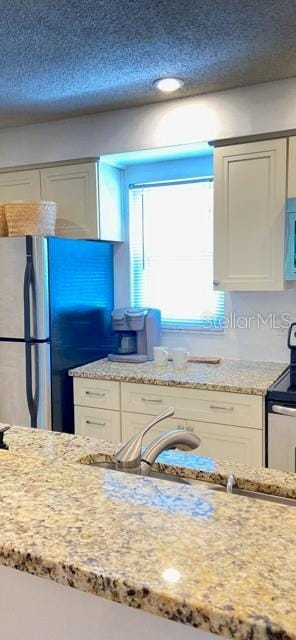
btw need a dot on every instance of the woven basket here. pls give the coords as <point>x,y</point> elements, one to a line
<point>3,223</point>
<point>31,218</point>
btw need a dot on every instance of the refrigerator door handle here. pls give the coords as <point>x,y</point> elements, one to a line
<point>27,298</point>
<point>32,378</point>
<point>39,289</point>
<point>30,302</point>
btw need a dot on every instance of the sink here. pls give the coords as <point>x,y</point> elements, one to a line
<point>153,474</point>
<point>257,495</point>
<point>209,485</point>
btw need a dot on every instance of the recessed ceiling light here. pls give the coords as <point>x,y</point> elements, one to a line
<point>168,84</point>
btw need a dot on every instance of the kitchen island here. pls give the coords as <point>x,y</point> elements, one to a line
<point>54,446</point>
<point>218,563</point>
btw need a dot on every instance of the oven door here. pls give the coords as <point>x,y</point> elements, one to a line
<point>281,437</point>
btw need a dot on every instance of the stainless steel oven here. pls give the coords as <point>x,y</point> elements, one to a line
<point>281,415</point>
<point>281,436</point>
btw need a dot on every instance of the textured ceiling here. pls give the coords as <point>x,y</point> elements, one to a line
<point>69,57</point>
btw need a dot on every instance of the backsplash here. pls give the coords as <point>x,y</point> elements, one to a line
<point>256,328</point>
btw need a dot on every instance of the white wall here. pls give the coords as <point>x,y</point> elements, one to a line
<point>249,110</point>
<point>32,607</point>
<point>262,108</point>
<point>248,338</point>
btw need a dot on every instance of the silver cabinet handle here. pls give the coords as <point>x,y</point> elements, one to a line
<point>95,393</point>
<point>283,411</point>
<point>221,408</point>
<point>98,424</point>
<point>153,400</point>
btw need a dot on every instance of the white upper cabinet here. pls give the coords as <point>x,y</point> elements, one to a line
<point>291,187</point>
<point>88,197</point>
<point>74,188</point>
<point>110,200</point>
<point>20,185</point>
<point>249,216</point>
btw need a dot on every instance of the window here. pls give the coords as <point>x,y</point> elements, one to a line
<point>171,246</point>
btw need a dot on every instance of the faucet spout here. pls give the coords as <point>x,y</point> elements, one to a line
<point>128,457</point>
<point>177,439</point>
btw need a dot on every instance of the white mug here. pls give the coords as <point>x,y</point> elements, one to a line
<point>180,357</point>
<point>161,355</point>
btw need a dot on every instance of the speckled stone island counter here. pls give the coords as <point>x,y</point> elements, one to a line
<point>55,446</point>
<point>236,376</point>
<point>119,536</point>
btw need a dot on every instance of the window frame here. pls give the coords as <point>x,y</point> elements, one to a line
<point>210,324</point>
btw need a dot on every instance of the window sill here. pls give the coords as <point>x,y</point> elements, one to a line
<point>199,331</point>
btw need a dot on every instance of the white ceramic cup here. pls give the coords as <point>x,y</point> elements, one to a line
<point>161,355</point>
<point>180,357</point>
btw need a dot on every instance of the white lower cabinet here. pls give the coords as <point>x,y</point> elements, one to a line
<point>235,444</point>
<point>220,407</point>
<point>132,423</point>
<point>103,394</point>
<point>98,423</point>
<point>230,425</point>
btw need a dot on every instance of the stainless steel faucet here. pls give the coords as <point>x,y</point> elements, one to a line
<point>231,482</point>
<point>177,439</point>
<point>130,458</point>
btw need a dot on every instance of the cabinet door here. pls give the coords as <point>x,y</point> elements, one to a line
<point>291,167</point>
<point>98,423</point>
<point>20,185</point>
<point>133,423</point>
<point>249,216</point>
<point>235,444</point>
<point>74,189</point>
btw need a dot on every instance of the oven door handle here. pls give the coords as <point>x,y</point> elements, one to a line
<point>283,411</point>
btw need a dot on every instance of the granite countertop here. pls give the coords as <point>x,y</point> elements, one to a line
<point>54,446</point>
<point>236,376</point>
<point>224,564</point>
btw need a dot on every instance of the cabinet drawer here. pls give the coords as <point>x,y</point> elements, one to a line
<point>133,423</point>
<point>232,443</point>
<point>194,404</point>
<point>97,393</point>
<point>98,423</point>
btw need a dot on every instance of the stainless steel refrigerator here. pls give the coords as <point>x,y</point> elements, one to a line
<point>56,297</point>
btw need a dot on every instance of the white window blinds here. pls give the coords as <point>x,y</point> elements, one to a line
<point>171,247</point>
